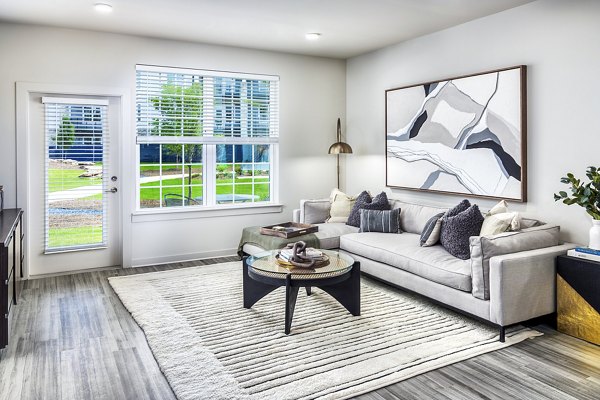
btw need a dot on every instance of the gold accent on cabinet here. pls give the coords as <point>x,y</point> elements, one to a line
<point>576,317</point>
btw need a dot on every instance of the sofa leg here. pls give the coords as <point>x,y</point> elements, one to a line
<point>502,334</point>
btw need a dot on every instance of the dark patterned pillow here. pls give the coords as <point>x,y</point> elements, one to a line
<point>365,202</point>
<point>386,221</point>
<point>460,207</point>
<point>457,229</point>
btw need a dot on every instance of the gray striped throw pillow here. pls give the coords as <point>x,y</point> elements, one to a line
<point>386,221</point>
<point>431,233</point>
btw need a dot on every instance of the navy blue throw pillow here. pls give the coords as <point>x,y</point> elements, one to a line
<point>365,202</point>
<point>457,229</point>
<point>460,207</point>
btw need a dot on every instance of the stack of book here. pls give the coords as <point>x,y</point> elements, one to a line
<point>585,253</point>
<point>317,255</point>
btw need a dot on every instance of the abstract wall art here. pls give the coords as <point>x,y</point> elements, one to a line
<point>465,135</point>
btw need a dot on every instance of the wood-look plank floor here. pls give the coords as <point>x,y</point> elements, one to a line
<point>73,339</point>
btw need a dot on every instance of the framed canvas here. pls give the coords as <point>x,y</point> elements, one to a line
<point>465,135</point>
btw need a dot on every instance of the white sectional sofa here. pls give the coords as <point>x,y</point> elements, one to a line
<point>510,277</point>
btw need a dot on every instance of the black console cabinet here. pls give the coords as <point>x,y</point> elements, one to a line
<point>11,267</point>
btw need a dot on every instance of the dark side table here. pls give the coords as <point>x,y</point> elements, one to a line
<point>578,298</point>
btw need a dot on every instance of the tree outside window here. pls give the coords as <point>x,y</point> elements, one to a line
<point>180,111</point>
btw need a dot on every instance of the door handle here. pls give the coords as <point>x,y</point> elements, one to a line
<point>111,190</point>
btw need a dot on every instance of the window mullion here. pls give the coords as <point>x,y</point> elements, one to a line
<point>160,162</point>
<point>209,149</point>
<point>210,167</point>
<point>274,172</point>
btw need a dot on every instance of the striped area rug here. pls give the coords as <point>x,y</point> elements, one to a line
<point>210,347</point>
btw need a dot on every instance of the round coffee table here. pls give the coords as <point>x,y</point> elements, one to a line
<point>340,278</point>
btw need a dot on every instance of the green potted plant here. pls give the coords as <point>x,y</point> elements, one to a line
<point>586,195</point>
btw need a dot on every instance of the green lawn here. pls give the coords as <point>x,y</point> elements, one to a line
<point>244,186</point>
<point>153,193</point>
<point>196,180</point>
<point>65,179</point>
<point>63,237</point>
<point>150,192</point>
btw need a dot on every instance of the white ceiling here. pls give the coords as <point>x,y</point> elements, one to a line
<point>348,27</point>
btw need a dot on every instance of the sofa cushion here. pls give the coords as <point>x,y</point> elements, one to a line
<point>404,252</point>
<point>329,234</point>
<point>314,211</point>
<point>364,201</point>
<point>386,221</point>
<point>414,216</point>
<point>530,223</point>
<point>457,229</point>
<point>485,247</point>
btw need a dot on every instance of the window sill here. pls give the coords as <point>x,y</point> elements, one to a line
<point>175,213</point>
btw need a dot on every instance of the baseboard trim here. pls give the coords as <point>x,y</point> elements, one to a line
<point>143,262</point>
<point>74,272</point>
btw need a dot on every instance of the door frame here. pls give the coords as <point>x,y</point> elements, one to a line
<point>126,170</point>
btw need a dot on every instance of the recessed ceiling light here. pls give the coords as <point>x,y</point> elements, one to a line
<point>313,36</point>
<point>103,8</point>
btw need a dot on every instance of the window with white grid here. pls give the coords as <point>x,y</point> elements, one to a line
<point>205,138</point>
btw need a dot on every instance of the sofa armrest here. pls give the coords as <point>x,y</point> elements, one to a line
<point>523,284</point>
<point>484,248</point>
<point>296,215</point>
<point>314,211</point>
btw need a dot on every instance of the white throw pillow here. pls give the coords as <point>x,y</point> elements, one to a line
<point>501,207</point>
<point>341,205</point>
<point>498,223</point>
<point>499,220</point>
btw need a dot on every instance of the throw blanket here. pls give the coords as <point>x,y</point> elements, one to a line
<point>252,235</point>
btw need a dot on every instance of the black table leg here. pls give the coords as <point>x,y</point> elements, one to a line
<point>347,293</point>
<point>344,288</point>
<point>291,294</point>
<point>253,290</point>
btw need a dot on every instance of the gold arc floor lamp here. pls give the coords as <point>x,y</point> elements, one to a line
<point>338,148</point>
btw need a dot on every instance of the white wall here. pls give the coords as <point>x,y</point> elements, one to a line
<point>312,98</point>
<point>557,40</point>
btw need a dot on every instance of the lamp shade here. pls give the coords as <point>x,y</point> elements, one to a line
<point>340,147</point>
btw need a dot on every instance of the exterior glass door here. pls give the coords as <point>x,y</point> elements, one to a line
<point>74,194</point>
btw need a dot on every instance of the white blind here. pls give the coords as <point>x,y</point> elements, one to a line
<point>76,161</point>
<point>197,106</point>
